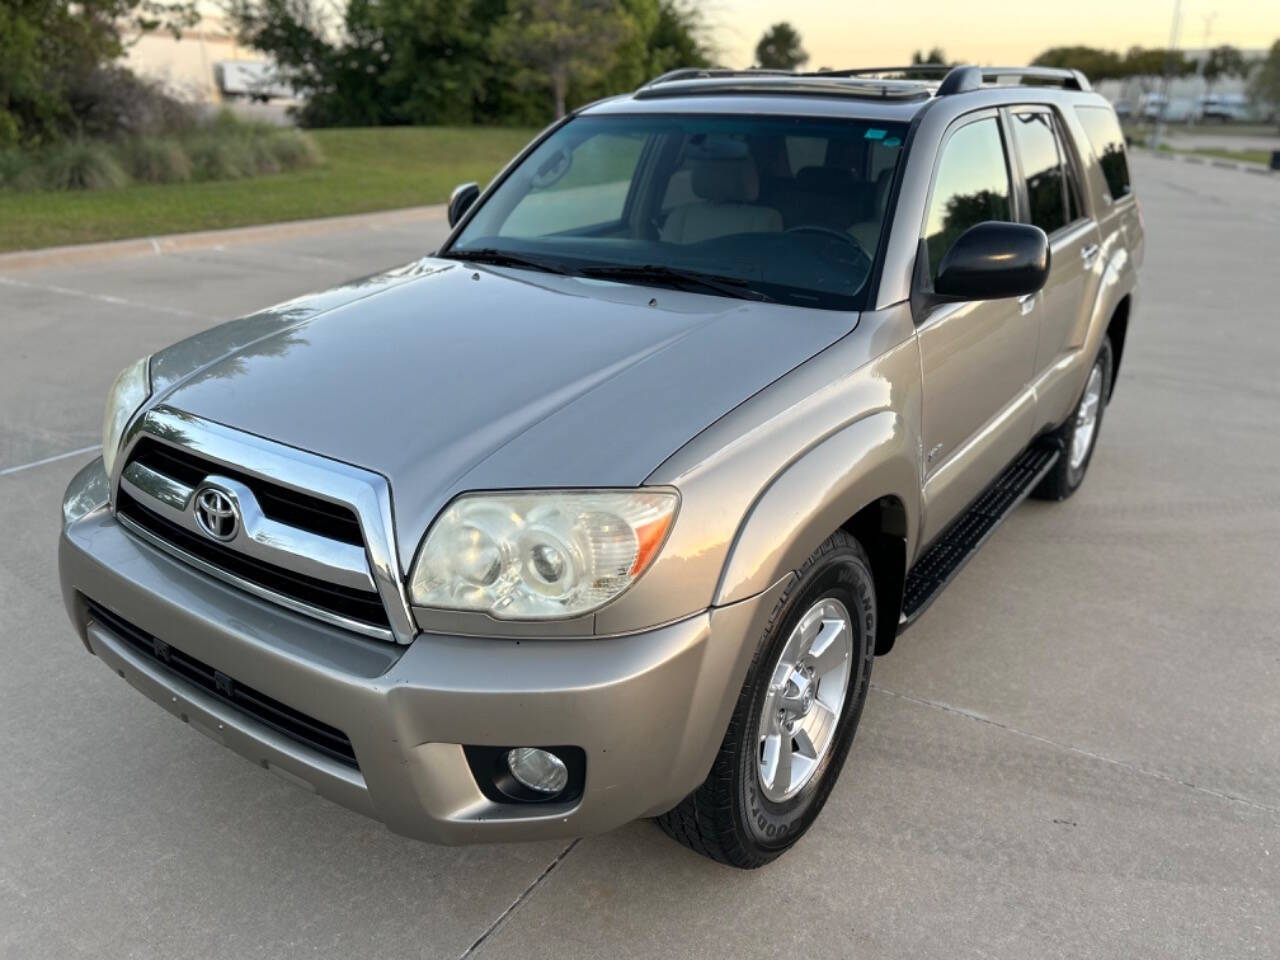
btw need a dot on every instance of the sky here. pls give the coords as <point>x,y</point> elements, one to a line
<point>847,33</point>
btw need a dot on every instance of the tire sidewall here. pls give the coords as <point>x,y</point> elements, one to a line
<point>845,576</point>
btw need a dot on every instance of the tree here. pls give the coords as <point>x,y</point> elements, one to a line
<point>559,42</point>
<point>1108,65</point>
<point>1093,63</point>
<point>50,49</point>
<point>780,49</point>
<point>1224,61</point>
<point>465,61</point>
<point>935,55</point>
<point>1264,87</point>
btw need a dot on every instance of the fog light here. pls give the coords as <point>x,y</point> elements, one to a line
<point>538,770</point>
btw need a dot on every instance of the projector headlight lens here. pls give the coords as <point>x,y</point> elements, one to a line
<point>540,555</point>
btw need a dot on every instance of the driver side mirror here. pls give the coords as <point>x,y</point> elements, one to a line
<point>460,201</point>
<point>992,261</point>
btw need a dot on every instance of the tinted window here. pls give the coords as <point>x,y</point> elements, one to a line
<point>972,186</point>
<point>787,208</point>
<point>1106,138</point>
<point>592,191</point>
<point>1042,167</point>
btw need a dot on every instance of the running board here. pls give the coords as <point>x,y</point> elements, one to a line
<point>938,565</point>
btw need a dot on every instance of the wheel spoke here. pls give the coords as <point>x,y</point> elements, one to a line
<point>781,778</point>
<point>830,650</point>
<point>804,745</point>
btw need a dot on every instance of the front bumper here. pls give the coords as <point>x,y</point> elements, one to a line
<point>648,709</point>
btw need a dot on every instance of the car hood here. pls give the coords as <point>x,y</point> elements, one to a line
<point>445,378</point>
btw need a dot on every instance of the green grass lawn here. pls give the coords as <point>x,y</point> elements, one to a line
<point>364,169</point>
<point>1243,156</point>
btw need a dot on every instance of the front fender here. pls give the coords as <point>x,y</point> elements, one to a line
<point>816,494</point>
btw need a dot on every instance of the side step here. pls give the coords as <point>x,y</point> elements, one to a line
<point>939,564</point>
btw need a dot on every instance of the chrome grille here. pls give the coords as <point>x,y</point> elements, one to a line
<point>309,534</point>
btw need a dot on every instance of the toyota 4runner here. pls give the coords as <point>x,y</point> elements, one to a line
<point>603,511</point>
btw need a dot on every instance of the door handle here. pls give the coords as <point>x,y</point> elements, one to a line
<point>1087,254</point>
<point>1027,303</point>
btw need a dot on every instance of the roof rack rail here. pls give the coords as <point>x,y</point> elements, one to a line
<point>928,69</point>
<point>961,79</point>
<point>708,73</point>
<point>966,79</point>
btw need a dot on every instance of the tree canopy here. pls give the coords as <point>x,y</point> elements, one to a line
<point>1264,86</point>
<point>1099,64</point>
<point>51,49</point>
<point>780,48</point>
<point>464,61</point>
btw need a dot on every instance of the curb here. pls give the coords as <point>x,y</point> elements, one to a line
<point>212,239</point>
<point>1207,161</point>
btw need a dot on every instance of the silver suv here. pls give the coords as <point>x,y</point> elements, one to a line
<point>604,510</point>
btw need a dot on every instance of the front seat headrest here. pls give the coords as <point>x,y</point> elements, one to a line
<point>726,179</point>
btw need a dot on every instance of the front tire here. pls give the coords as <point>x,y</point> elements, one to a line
<point>795,718</point>
<point>1079,435</point>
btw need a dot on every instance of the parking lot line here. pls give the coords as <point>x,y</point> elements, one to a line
<point>54,459</point>
<point>102,298</point>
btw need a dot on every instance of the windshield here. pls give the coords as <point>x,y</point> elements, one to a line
<point>786,209</point>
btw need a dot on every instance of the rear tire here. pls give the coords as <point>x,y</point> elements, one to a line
<point>1078,437</point>
<point>820,639</point>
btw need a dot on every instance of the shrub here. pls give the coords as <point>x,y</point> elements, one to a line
<point>215,157</point>
<point>81,165</point>
<point>157,161</point>
<point>264,160</point>
<point>112,102</point>
<point>294,149</point>
<point>14,168</point>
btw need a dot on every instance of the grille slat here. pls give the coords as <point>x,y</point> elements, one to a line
<point>280,717</point>
<point>283,504</point>
<point>344,601</point>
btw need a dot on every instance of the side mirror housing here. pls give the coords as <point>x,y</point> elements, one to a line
<point>460,201</point>
<point>992,261</point>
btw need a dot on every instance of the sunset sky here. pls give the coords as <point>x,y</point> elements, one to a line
<point>840,33</point>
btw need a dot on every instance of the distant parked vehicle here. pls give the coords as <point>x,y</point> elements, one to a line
<point>1227,108</point>
<point>251,80</point>
<point>1177,110</point>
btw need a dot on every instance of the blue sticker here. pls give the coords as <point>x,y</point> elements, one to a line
<point>892,142</point>
<point>874,134</point>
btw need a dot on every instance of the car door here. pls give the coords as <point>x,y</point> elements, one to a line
<point>1052,199</point>
<point>976,358</point>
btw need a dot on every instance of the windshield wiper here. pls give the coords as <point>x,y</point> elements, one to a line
<point>674,276</point>
<point>506,258</point>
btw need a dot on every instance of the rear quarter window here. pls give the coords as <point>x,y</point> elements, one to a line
<point>1105,136</point>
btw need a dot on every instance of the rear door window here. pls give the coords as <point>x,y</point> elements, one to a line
<point>1041,169</point>
<point>1107,139</point>
<point>971,186</point>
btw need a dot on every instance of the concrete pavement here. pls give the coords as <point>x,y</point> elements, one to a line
<point>1076,752</point>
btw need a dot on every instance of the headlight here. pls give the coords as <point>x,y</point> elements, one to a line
<point>540,555</point>
<point>129,390</point>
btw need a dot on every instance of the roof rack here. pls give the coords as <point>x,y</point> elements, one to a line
<point>962,79</point>
<point>967,79</point>
<point>694,81</point>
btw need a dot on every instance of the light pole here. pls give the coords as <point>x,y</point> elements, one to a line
<point>1158,135</point>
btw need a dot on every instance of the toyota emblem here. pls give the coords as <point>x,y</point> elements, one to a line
<point>217,514</point>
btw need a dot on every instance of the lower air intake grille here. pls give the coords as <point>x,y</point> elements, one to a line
<point>283,719</point>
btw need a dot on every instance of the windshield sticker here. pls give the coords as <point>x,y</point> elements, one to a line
<point>893,142</point>
<point>874,134</point>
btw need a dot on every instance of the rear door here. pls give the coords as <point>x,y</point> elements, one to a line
<point>976,358</point>
<point>1050,188</point>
